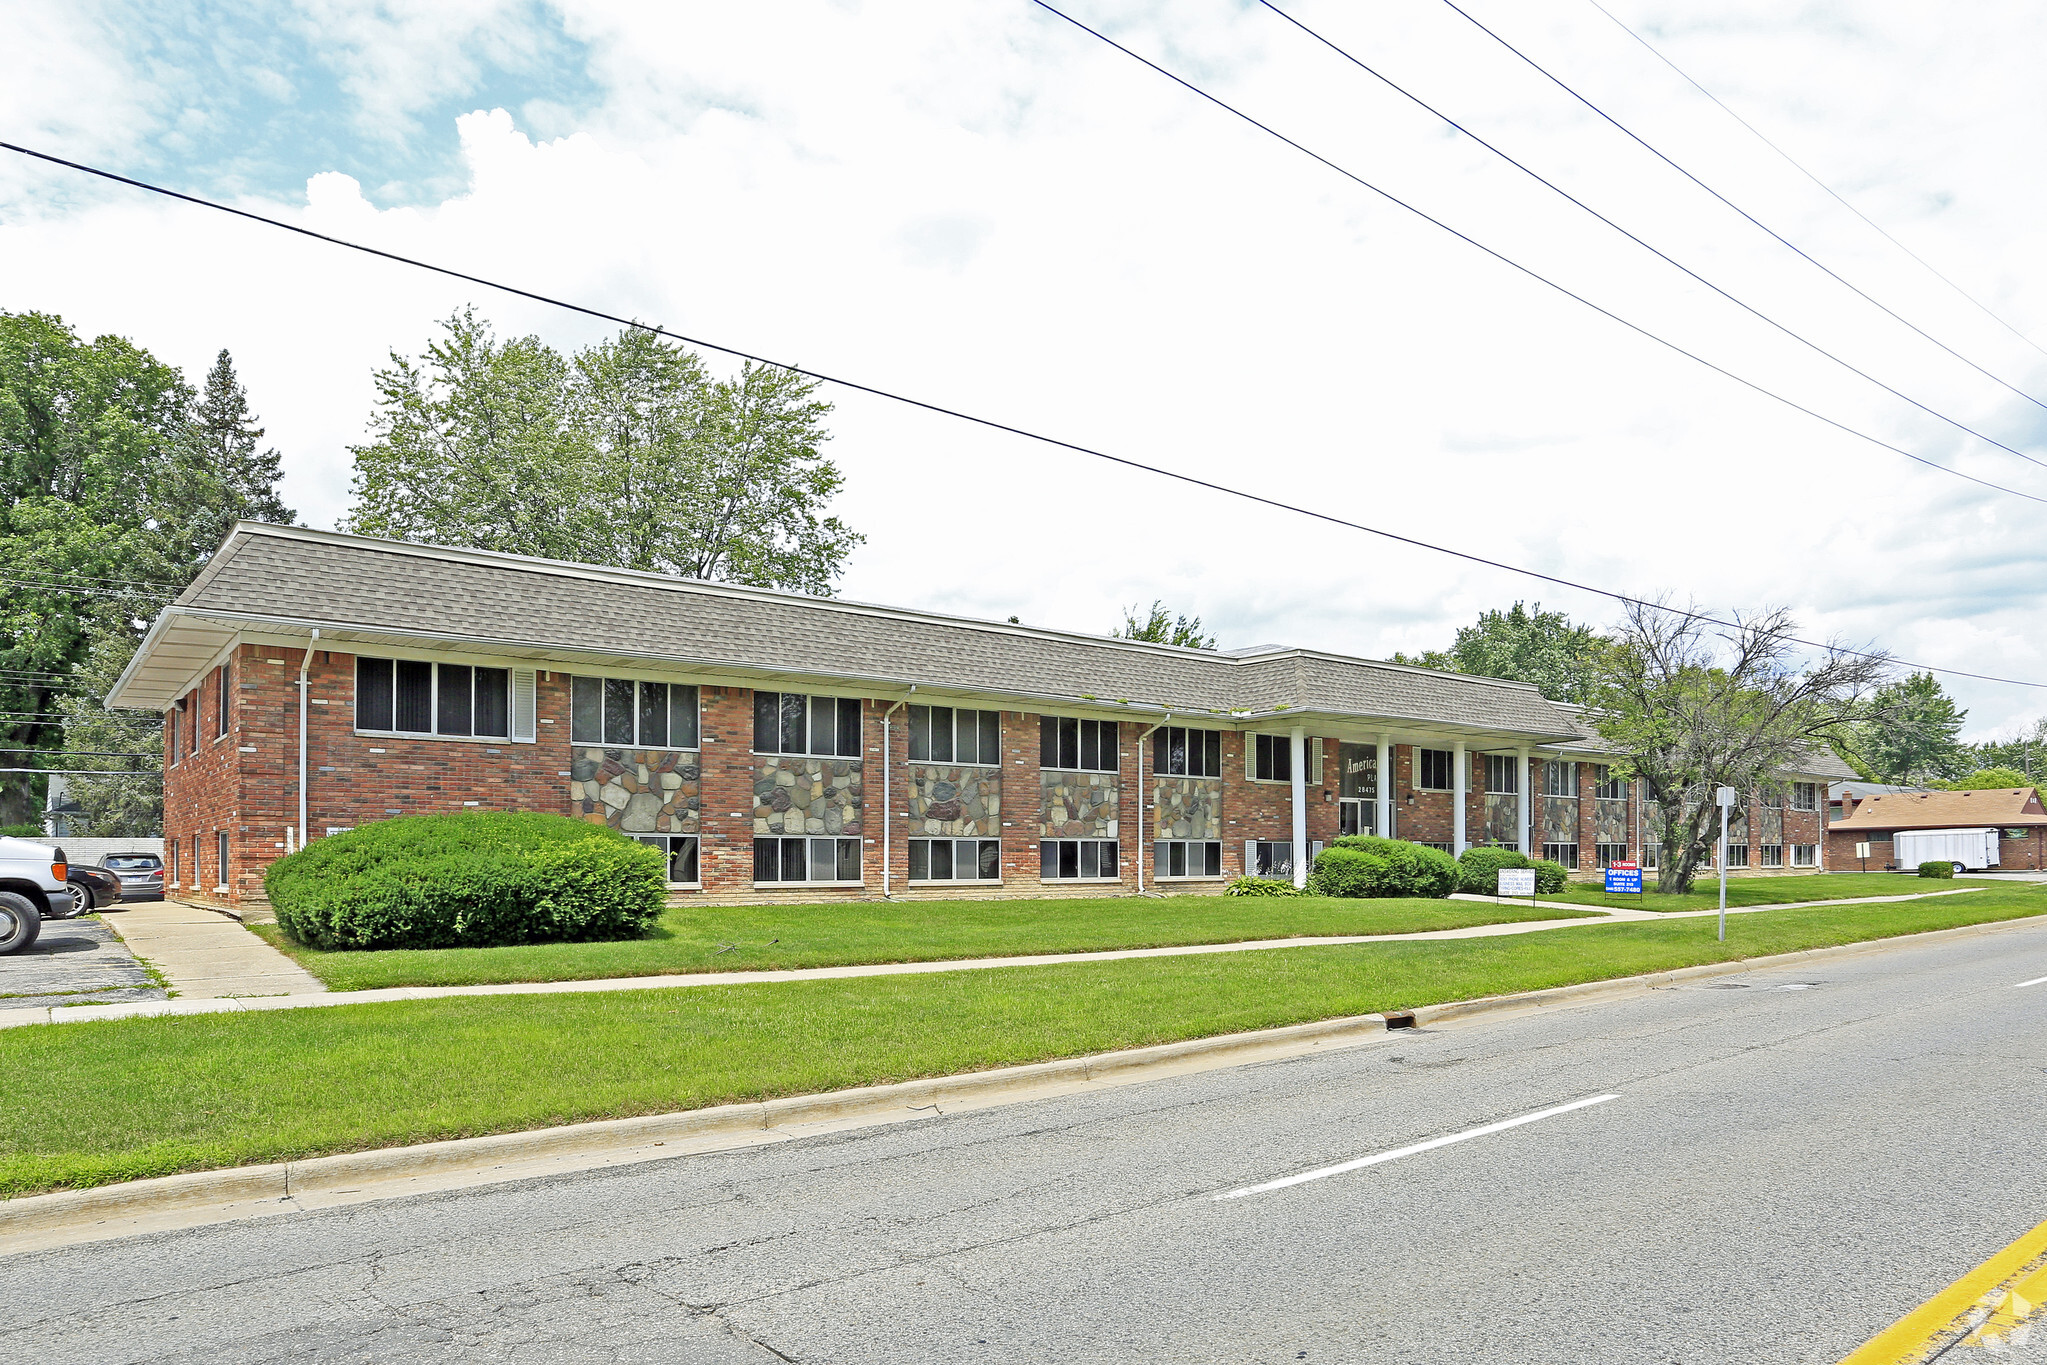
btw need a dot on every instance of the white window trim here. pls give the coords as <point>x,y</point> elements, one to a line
<point>1421,783</point>
<point>798,886</point>
<point>1310,744</point>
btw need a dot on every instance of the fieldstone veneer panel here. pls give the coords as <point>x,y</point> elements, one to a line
<point>1502,823</point>
<point>807,796</point>
<point>1078,805</point>
<point>1610,821</point>
<point>1770,825</point>
<point>1559,820</point>
<point>637,791</point>
<point>958,801</point>
<point>1188,807</point>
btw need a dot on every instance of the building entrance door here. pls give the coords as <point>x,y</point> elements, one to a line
<point>1357,788</point>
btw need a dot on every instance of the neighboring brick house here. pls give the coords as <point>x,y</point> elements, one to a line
<point>783,746</point>
<point>1874,815</point>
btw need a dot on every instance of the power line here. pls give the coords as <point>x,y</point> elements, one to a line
<point>1835,196</point>
<point>83,772</point>
<point>1782,240</point>
<point>75,753</point>
<point>992,424</point>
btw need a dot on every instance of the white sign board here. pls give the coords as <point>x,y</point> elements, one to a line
<point>1517,881</point>
<point>1862,850</point>
<point>1727,797</point>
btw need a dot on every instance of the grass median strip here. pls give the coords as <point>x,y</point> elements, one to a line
<point>1772,890</point>
<point>135,1098</point>
<point>777,937</point>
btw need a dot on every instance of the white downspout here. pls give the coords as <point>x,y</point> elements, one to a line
<point>1140,849</point>
<point>887,798</point>
<point>1298,744</point>
<point>304,664</point>
<point>1459,788</point>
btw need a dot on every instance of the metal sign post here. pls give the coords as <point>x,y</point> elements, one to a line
<point>1725,797</point>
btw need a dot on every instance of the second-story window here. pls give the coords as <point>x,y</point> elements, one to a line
<point>1805,796</point>
<point>1180,752</point>
<point>1502,774</point>
<point>412,697</point>
<point>627,713</point>
<point>1606,786</point>
<point>1083,745</point>
<point>792,723</point>
<point>220,707</point>
<point>945,734</point>
<point>1435,769</point>
<point>1559,777</point>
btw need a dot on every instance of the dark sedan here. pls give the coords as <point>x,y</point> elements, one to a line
<point>92,888</point>
<point>141,874</point>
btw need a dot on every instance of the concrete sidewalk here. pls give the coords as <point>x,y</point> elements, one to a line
<point>205,955</point>
<point>279,1000</point>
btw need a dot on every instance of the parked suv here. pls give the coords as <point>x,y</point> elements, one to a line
<point>141,874</point>
<point>32,889</point>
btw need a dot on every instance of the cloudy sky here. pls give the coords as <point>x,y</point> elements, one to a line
<point>985,207</point>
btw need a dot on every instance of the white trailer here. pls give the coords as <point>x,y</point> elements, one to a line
<point>1970,850</point>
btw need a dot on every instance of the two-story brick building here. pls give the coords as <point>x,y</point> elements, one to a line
<point>783,746</point>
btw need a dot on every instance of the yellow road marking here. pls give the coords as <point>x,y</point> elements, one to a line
<point>1984,1308</point>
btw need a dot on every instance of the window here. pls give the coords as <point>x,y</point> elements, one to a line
<point>1270,758</point>
<point>1502,774</point>
<point>1879,836</point>
<point>2018,834</point>
<point>682,854</point>
<point>806,860</point>
<point>220,706</point>
<point>1606,786</point>
<point>1567,854</point>
<point>190,706</point>
<point>1559,777</point>
<point>220,857</point>
<point>1187,858</point>
<point>1082,745</point>
<point>623,713</point>
<point>410,697</point>
<point>1180,752</point>
<point>172,846</point>
<point>1772,854</point>
<point>1443,847</point>
<point>1269,858</point>
<point>1436,767</point>
<point>1737,855</point>
<point>1065,860</point>
<point>1805,855</point>
<point>941,734</point>
<point>170,719</point>
<point>791,723</point>
<point>1770,799</point>
<point>1805,796</point>
<point>1606,855</point>
<point>1650,854</point>
<point>956,860</point>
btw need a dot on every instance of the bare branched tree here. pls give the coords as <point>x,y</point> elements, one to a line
<point>1697,706</point>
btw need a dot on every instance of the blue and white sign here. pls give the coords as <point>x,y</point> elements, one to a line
<point>1517,881</point>
<point>1624,878</point>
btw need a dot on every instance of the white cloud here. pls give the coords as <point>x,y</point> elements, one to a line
<point>985,208</point>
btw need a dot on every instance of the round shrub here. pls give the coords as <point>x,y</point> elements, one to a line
<point>1261,886</point>
<point>1478,869</point>
<point>477,879</point>
<point>1937,868</point>
<point>1365,865</point>
<point>1550,877</point>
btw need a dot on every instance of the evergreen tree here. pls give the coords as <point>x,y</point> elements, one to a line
<point>237,475</point>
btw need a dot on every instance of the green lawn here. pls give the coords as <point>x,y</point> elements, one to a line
<point>768,937</point>
<point>93,1103</point>
<point>1772,890</point>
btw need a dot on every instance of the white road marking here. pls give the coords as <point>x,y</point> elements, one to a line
<point>1418,1147</point>
<point>2034,982</point>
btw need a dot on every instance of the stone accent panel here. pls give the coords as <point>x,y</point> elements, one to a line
<point>1502,822</point>
<point>1078,805</point>
<point>946,800</point>
<point>1769,825</point>
<point>807,796</point>
<point>1558,819</point>
<point>1610,823</point>
<point>637,791</point>
<point>1188,808</point>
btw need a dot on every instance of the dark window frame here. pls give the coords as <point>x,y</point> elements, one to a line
<point>779,716</point>
<point>388,689</point>
<point>1429,763</point>
<point>1183,751</point>
<point>963,729</point>
<point>669,844</point>
<point>1057,856</point>
<point>1272,758</point>
<point>924,859</point>
<point>774,854</point>
<point>684,704</point>
<point>1169,853</point>
<point>1071,744</point>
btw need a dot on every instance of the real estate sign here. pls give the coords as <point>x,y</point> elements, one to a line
<point>1624,878</point>
<point>1517,881</point>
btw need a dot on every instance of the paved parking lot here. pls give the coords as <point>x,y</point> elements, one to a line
<point>74,962</point>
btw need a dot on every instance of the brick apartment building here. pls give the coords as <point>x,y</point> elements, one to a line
<point>783,746</point>
<point>1874,816</point>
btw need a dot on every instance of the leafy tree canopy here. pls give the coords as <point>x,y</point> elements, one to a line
<point>1987,779</point>
<point>1522,644</point>
<point>1158,627</point>
<point>628,453</point>
<point>1908,734</point>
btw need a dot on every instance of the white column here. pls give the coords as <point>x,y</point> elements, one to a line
<point>1527,802</point>
<point>1459,786</point>
<point>1299,745</point>
<point>1383,825</point>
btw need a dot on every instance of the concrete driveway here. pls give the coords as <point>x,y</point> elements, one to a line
<point>75,962</point>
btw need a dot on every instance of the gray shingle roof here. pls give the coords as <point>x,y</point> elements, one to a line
<point>287,576</point>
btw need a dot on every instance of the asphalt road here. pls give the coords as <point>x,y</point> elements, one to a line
<point>1788,1165</point>
<point>74,962</point>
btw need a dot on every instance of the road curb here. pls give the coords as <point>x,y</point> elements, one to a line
<point>70,1216</point>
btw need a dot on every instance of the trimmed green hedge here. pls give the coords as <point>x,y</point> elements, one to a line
<point>477,879</point>
<point>1359,865</point>
<point>1261,886</point>
<point>1478,871</point>
<point>1937,868</point>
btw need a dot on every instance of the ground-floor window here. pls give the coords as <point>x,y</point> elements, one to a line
<point>1805,855</point>
<point>1355,816</point>
<point>1443,847</point>
<point>2018,834</point>
<point>1187,858</point>
<point>1077,859</point>
<point>1609,854</point>
<point>1567,854</point>
<point>682,854</point>
<point>1773,855</point>
<point>956,860</point>
<point>1269,858</point>
<point>173,846</point>
<point>220,860</point>
<point>806,860</point>
<point>1650,854</point>
<point>1737,855</point>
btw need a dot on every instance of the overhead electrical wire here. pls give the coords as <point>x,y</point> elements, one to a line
<point>1793,162</point>
<point>1782,240</point>
<point>1055,442</point>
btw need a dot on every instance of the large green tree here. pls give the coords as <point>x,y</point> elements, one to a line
<point>1908,734</point>
<point>1522,644</point>
<point>629,452</point>
<point>109,502</point>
